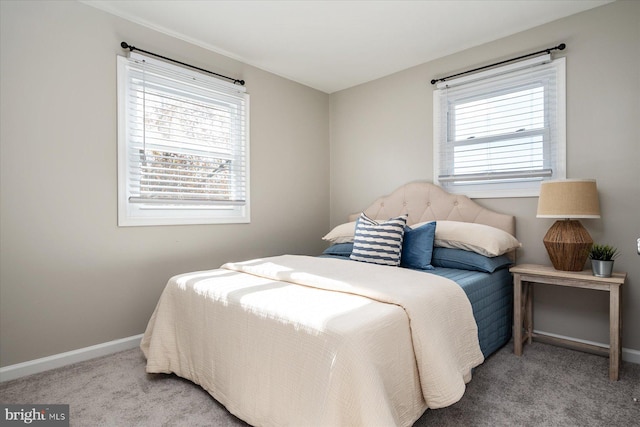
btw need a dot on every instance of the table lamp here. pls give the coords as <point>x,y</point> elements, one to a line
<point>567,241</point>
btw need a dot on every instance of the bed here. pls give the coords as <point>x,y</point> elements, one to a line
<point>333,340</point>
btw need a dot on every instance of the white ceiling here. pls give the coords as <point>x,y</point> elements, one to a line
<point>333,45</point>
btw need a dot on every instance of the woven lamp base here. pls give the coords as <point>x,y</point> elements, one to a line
<point>568,244</point>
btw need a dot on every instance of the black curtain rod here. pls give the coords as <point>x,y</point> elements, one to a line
<point>125,45</point>
<point>561,46</point>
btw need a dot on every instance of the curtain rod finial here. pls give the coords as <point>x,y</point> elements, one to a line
<point>561,46</point>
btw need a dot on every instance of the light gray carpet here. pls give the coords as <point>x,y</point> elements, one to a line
<point>547,386</point>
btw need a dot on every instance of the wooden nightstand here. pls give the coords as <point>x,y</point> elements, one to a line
<point>525,275</point>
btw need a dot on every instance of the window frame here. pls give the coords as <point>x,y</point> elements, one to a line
<point>506,186</point>
<point>133,212</point>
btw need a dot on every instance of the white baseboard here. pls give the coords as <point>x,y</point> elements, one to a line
<point>19,370</point>
<point>628,355</point>
<point>63,359</point>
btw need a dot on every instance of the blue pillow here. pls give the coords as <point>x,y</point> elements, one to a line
<point>339,249</point>
<point>378,242</point>
<point>467,260</point>
<point>418,247</point>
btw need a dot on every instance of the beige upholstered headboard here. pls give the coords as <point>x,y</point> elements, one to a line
<point>424,201</point>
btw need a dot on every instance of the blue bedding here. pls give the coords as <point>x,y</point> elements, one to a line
<point>491,296</point>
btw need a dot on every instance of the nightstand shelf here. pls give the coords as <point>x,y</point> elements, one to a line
<point>525,275</point>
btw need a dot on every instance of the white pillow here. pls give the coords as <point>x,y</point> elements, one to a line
<point>343,233</point>
<point>483,239</point>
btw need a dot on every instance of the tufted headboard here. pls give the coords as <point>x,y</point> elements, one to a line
<point>424,201</point>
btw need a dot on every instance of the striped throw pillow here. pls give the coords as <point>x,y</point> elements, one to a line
<point>378,243</point>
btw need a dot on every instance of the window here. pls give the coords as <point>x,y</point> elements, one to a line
<point>183,146</point>
<point>501,132</point>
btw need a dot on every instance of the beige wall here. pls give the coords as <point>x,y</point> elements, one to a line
<point>70,278</point>
<point>381,137</point>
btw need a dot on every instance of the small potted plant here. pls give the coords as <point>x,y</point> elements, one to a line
<point>602,257</point>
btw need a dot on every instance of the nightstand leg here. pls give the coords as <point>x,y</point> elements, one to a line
<point>528,313</point>
<point>615,342</point>
<point>517,315</point>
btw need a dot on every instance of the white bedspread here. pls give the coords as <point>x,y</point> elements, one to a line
<point>356,344</point>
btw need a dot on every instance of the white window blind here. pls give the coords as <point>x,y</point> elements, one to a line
<point>183,146</point>
<point>501,135</point>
